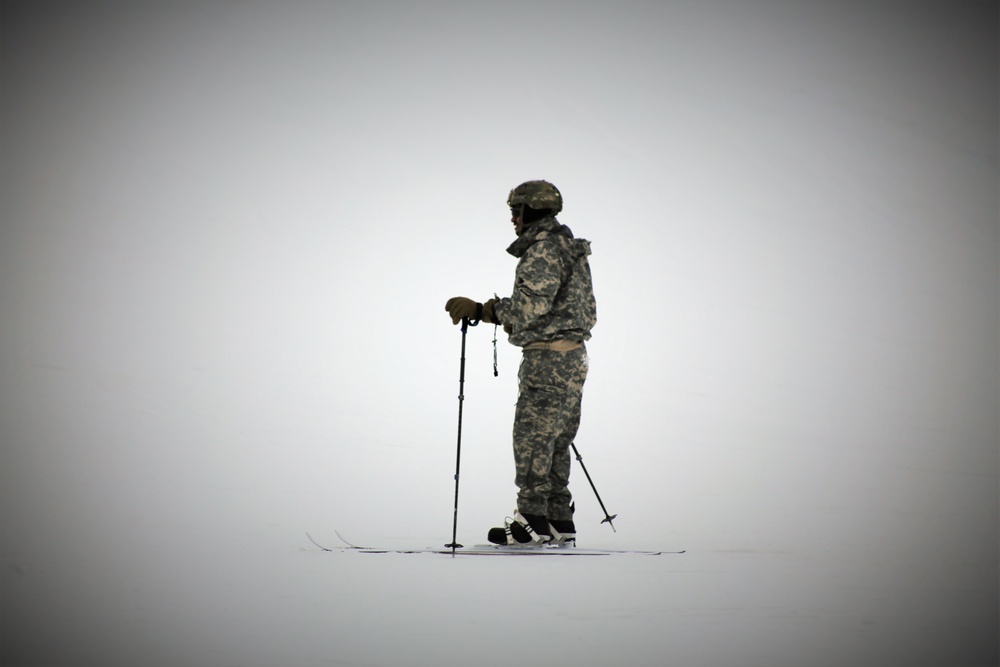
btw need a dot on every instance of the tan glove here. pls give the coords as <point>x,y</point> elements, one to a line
<point>460,308</point>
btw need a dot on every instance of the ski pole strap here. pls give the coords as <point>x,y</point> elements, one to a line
<point>496,325</point>
<point>495,371</point>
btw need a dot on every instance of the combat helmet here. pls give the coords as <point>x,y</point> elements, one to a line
<point>536,195</point>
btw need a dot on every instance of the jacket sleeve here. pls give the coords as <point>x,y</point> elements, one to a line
<point>536,283</point>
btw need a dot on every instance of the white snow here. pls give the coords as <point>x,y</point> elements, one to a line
<point>228,233</point>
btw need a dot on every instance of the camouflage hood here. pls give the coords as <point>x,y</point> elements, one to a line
<point>550,228</point>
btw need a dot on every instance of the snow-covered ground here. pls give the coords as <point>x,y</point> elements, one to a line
<point>228,233</point>
<point>251,602</point>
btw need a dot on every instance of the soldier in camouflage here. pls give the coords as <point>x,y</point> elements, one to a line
<point>549,315</point>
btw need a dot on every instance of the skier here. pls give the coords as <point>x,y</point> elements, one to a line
<point>549,315</point>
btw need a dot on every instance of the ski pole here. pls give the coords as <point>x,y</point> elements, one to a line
<point>458,456</point>
<point>608,518</point>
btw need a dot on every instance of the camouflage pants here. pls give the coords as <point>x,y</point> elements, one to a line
<point>545,423</point>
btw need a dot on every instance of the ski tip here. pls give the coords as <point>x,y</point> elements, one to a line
<point>317,543</point>
<point>341,538</point>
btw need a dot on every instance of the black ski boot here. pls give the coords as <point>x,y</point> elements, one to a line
<point>564,530</point>
<point>522,530</point>
<point>563,533</point>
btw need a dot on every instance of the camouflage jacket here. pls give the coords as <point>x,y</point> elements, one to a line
<point>553,295</point>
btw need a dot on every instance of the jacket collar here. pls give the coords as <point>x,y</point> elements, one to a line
<point>536,232</point>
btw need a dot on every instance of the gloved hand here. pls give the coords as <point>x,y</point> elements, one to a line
<point>460,307</point>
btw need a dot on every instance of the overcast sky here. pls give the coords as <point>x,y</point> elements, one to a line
<point>229,231</point>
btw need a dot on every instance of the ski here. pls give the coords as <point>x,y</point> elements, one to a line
<point>495,550</point>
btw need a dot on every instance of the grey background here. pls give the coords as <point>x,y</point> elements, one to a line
<point>228,233</point>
